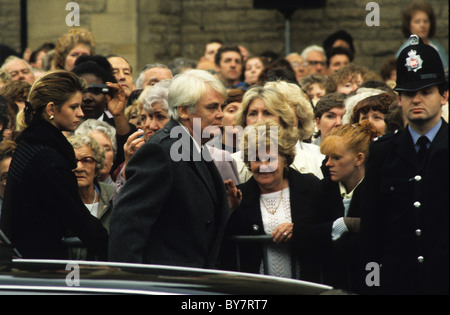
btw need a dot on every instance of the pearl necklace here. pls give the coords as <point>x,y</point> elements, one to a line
<point>93,202</point>
<point>272,212</point>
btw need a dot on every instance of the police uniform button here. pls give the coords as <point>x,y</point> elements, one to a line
<point>417,178</point>
<point>417,204</point>
<point>255,227</point>
<point>420,259</point>
<point>392,188</point>
<point>418,232</point>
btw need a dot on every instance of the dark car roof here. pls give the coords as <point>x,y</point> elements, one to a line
<point>51,276</point>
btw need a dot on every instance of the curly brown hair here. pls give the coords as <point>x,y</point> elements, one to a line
<point>68,41</point>
<point>410,10</point>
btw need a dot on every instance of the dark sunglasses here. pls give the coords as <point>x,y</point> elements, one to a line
<point>97,89</point>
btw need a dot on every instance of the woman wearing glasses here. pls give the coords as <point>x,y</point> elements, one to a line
<point>96,195</point>
<point>41,199</point>
<point>90,158</point>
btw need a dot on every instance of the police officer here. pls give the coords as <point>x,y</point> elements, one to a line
<point>405,208</point>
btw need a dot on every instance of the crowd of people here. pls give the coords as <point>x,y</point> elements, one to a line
<point>315,151</point>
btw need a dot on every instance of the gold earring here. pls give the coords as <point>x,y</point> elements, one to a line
<point>52,117</point>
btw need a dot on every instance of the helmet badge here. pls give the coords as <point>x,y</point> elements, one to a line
<point>413,62</point>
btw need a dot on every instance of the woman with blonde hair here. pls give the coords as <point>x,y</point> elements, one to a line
<point>272,201</point>
<point>41,199</point>
<point>75,43</point>
<point>276,101</point>
<point>328,235</point>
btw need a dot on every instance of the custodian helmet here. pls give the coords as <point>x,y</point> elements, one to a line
<point>418,66</point>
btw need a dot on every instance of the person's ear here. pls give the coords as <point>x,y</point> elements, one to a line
<point>444,98</point>
<point>183,112</point>
<point>318,123</point>
<point>360,158</point>
<point>50,110</point>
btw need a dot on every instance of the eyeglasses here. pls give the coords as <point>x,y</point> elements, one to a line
<point>315,63</point>
<point>3,178</point>
<point>86,160</point>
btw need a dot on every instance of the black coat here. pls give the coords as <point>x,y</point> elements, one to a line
<point>42,203</point>
<point>169,212</point>
<point>405,215</point>
<point>247,220</point>
<point>332,262</point>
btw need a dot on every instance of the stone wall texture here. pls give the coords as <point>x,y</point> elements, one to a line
<point>148,31</point>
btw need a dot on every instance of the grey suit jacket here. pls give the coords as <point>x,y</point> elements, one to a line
<point>169,212</point>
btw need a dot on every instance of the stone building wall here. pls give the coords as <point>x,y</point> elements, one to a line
<point>10,23</point>
<point>148,31</point>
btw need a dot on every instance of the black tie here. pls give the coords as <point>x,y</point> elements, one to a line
<point>422,142</point>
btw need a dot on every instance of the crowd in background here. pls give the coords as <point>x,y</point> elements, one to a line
<point>328,111</point>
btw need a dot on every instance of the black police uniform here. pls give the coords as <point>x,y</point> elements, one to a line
<point>405,207</point>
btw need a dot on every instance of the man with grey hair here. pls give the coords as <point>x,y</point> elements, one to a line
<point>173,208</point>
<point>153,73</point>
<point>19,69</point>
<point>315,60</point>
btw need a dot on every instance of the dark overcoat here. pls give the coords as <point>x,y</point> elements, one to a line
<point>247,220</point>
<point>333,262</point>
<point>42,204</point>
<point>405,215</point>
<point>170,211</point>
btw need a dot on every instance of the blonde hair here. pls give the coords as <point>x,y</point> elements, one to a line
<point>275,104</point>
<point>261,136</point>
<point>294,96</point>
<point>350,137</point>
<point>68,41</point>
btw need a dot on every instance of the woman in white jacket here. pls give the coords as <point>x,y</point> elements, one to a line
<point>284,103</point>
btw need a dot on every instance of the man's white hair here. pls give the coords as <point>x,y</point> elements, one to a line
<point>188,88</point>
<point>312,48</point>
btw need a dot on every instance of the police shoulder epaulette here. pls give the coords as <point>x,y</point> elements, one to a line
<point>386,136</point>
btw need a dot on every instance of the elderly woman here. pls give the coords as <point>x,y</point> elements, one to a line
<point>327,234</point>
<point>96,196</point>
<point>41,199</point>
<point>264,103</point>
<point>272,200</point>
<point>153,111</point>
<point>105,135</point>
<point>75,43</point>
<point>153,107</point>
